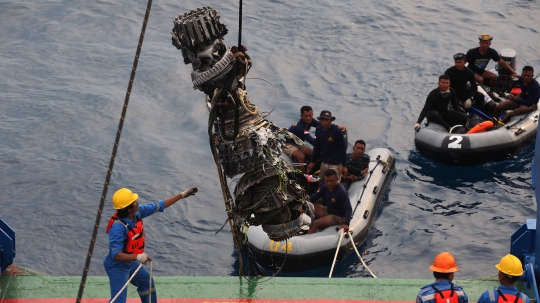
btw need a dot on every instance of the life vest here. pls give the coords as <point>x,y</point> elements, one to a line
<point>134,243</point>
<point>446,296</point>
<point>508,298</point>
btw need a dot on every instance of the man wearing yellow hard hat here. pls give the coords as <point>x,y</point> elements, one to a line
<point>443,290</point>
<point>126,242</point>
<point>510,269</point>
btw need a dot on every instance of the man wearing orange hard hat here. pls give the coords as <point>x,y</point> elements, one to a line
<point>443,290</point>
<point>510,269</point>
<point>126,243</point>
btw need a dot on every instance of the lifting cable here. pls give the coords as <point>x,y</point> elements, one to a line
<point>113,155</point>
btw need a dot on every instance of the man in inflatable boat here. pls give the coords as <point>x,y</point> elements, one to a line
<point>330,147</point>
<point>338,209</point>
<point>463,81</point>
<point>357,164</point>
<point>443,290</point>
<point>295,147</point>
<point>441,106</point>
<point>526,101</point>
<point>478,59</point>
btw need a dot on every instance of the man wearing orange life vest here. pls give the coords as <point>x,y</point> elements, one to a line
<point>443,290</point>
<point>510,270</point>
<point>126,242</point>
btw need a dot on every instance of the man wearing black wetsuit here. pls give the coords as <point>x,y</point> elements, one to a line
<point>463,81</point>
<point>478,59</point>
<point>436,107</point>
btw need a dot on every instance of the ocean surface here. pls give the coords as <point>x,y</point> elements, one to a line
<point>64,70</point>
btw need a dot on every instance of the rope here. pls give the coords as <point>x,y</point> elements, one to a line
<point>277,92</point>
<point>240,25</point>
<point>242,96</point>
<point>125,285</point>
<point>337,250</point>
<point>131,278</point>
<point>150,284</point>
<point>113,155</point>
<point>357,253</point>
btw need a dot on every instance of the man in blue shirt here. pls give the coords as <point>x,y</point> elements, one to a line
<point>526,101</point>
<point>443,290</point>
<point>298,150</point>
<point>330,147</point>
<point>338,210</point>
<point>126,242</point>
<point>510,269</point>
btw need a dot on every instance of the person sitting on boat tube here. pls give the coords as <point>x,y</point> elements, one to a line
<point>463,81</point>
<point>478,59</point>
<point>526,101</point>
<point>330,147</point>
<point>126,242</point>
<point>338,208</point>
<point>437,106</point>
<point>298,150</point>
<point>357,164</point>
<point>510,269</point>
<point>443,290</point>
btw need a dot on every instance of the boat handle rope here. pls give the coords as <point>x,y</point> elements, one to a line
<point>521,119</point>
<point>113,155</point>
<point>365,184</point>
<point>337,251</point>
<point>131,278</point>
<point>358,254</point>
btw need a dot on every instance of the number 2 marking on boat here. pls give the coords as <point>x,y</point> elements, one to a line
<point>456,143</point>
<point>275,246</point>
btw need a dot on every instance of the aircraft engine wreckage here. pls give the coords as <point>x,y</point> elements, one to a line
<point>269,192</point>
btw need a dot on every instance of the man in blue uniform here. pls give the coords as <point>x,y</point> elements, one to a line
<point>510,269</point>
<point>330,147</point>
<point>526,101</point>
<point>478,59</point>
<point>338,208</point>
<point>298,150</point>
<point>443,290</point>
<point>436,106</point>
<point>126,242</point>
<point>357,163</point>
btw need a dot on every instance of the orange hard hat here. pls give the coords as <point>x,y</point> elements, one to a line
<point>444,263</point>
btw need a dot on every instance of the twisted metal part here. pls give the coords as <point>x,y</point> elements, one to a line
<point>270,191</point>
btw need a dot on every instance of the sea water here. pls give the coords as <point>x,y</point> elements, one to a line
<point>64,70</point>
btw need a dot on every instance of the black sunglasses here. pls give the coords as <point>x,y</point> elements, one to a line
<point>459,56</point>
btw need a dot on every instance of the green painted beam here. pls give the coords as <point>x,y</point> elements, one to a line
<point>30,284</point>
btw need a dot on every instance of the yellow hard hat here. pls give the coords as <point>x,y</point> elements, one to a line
<point>123,197</point>
<point>510,265</point>
<point>444,263</point>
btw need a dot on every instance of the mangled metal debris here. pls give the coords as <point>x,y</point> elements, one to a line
<point>270,192</point>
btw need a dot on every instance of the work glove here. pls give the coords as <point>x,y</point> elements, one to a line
<point>189,192</point>
<point>467,104</point>
<point>417,126</point>
<point>143,258</point>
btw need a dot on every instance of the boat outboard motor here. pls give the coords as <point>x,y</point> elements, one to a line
<point>505,82</point>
